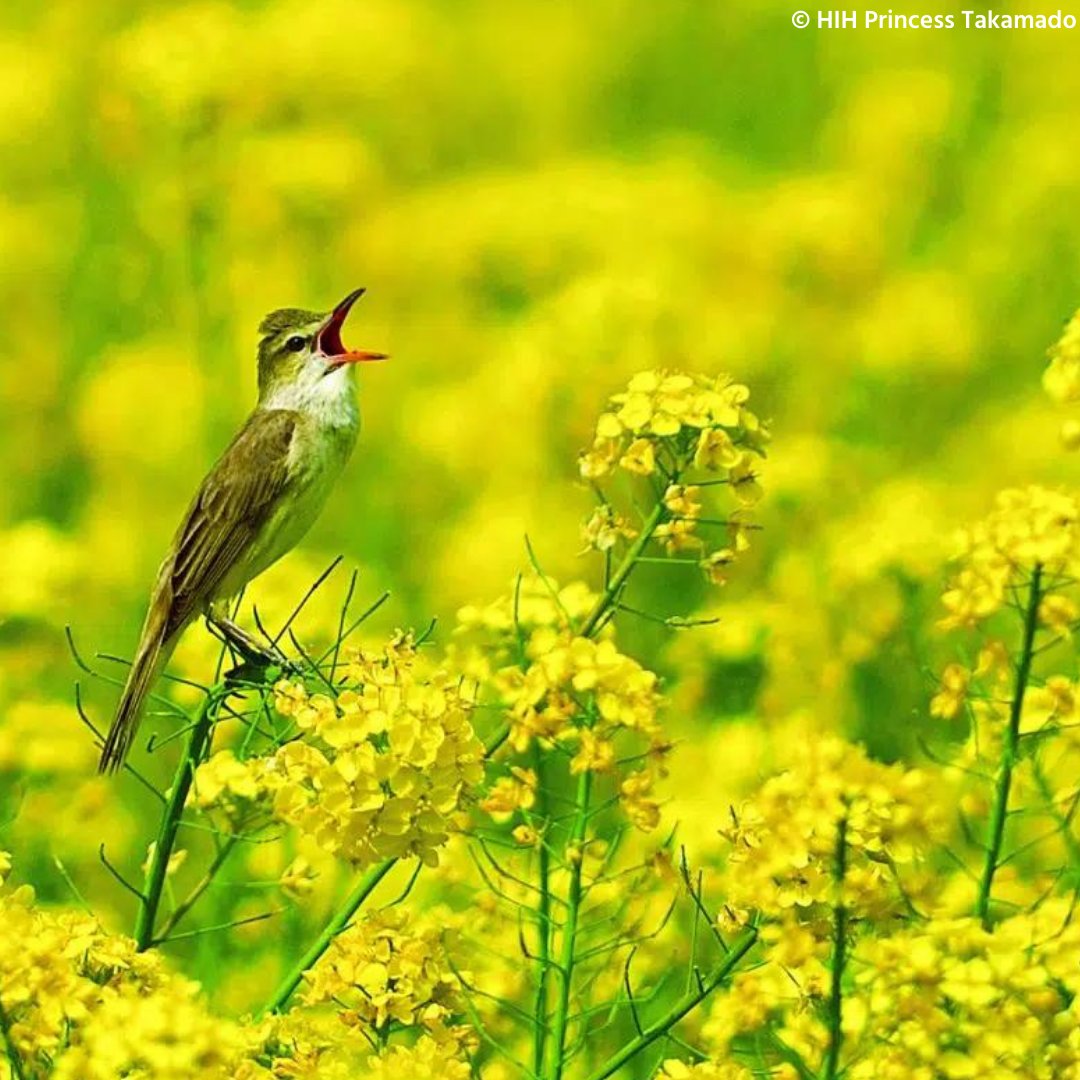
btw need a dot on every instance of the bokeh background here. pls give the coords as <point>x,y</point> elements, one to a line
<point>877,231</point>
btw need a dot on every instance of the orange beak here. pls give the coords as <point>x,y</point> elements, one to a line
<point>329,340</point>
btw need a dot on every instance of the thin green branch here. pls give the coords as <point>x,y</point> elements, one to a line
<point>543,919</point>
<point>197,891</point>
<point>615,584</point>
<point>156,871</point>
<point>1003,781</point>
<point>839,955</point>
<point>353,902</point>
<point>681,1008</point>
<point>576,857</point>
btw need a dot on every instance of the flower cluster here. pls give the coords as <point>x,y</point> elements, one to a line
<point>710,414</point>
<point>427,1059</point>
<point>784,840</point>
<point>1029,528</point>
<point>78,1003</point>
<point>381,970</point>
<point>238,789</point>
<point>948,998</point>
<point>377,772</point>
<point>581,695</point>
<point>665,425</point>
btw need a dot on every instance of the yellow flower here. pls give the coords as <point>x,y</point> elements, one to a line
<point>382,970</point>
<point>298,878</point>
<point>509,794</point>
<point>600,460</point>
<point>605,528</point>
<point>949,700</point>
<point>636,799</point>
<point>683,500</point>
<point>639,458</point>
<point>594,753</point>
<point>525,835</point>
<point>676,536</point>
<point>1058,613</point>
<point>743,479</point>
<point>715,450</point>
<point>716,563</point>
<point>381,772</point>
<point>1028,528</point>
<point>427,1059</point>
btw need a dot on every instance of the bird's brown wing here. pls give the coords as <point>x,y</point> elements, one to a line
<point>230,508</point>
<point>233,504</point>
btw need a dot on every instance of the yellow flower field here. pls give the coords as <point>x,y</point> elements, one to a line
<point>682,678</point>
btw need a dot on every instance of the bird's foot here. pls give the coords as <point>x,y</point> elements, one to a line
<point>255,657</point>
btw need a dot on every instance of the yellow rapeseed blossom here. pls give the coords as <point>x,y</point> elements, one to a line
<point>948,998</point>
<point>949,700</point>
<point>1028,528</point>
<point>564,670</point>
<point>783,840</point>
<point>510,794</point>
<point>380,771</point>
<point>79,1003</point>
<point>605,528</point>
<point>667,425</point>
<point>381,970</point>
<point>427,1059</point>
<point>237,788</point>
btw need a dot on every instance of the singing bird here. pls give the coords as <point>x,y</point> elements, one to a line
<point>258,500</point>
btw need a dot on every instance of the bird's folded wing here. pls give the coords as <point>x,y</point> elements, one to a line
<point>233,504</point>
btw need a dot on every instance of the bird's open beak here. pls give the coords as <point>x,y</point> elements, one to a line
<point>329,340</point>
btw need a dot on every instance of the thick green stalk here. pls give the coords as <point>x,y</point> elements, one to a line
<point>154,882</point>
<point>543,918</point>
<point>576,854</point>
<point>839,956</point>
<point>999,810</point>
<point>685,1005</point>
<point>353,902</point>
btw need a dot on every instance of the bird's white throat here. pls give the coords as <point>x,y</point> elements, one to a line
<point>328,399</point>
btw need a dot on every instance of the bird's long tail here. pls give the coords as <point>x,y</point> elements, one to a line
<point>150,657</point>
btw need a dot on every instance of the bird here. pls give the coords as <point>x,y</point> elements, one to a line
<point>257,501</point>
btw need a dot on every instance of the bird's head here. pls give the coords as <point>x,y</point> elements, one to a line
<point>299,349</point>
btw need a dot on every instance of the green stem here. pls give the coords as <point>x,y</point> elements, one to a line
<point>154,882</point>
<point>618,579</point>
<point>14,1060</point>
<point>999,811</point>
<point>203,884</point>
<point>543,919</point>
<point>839,956</point>
<point>576,850</point>
<point>353,902</point>
<point>686,1004</point>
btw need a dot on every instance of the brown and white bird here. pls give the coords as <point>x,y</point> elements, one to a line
<point>257,501</point>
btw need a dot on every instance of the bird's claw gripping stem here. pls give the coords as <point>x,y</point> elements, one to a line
<point>255,654</point>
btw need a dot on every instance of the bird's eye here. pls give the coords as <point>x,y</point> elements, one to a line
<point>296,343</point>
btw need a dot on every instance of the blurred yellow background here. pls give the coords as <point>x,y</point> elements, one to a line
<point>877,231</point>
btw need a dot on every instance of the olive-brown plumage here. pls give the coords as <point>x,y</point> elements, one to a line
<point>257,501</point>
